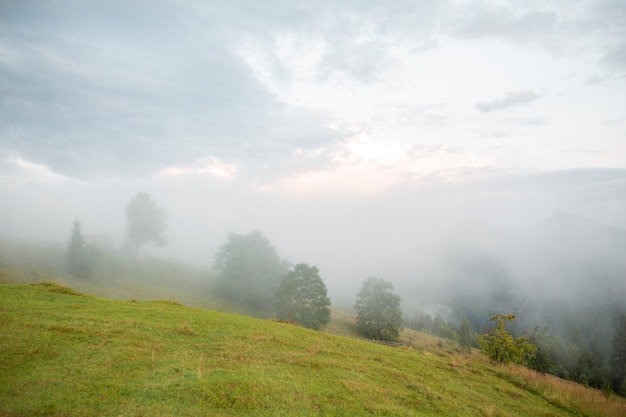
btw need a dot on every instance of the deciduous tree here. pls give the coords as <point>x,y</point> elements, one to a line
<point>249,270</point>
<point>302,297</point>
<point>378,310</point>
<point>503,348</point>
<point>145,222</point>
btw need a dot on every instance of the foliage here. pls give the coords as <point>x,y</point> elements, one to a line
<point>466,337</point>
<point>542,361</point>
<point>503,348</point>
<point>249,270</point>
<point>79,256</point>
<point>619,357</point>
<point>378,310</point>
<point>420,322</point>
<point>145,222</point>
<point>443,329</point>
<point>302,297</point>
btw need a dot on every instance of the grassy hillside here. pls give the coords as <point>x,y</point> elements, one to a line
<point>68,354</point>
<point>117,274</point>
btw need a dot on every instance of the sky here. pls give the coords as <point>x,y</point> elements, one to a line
<point>351,133</point>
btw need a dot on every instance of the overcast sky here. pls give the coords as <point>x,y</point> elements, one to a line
<point>328,125</point>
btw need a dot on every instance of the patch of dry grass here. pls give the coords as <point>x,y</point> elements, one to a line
<point>567,394</point>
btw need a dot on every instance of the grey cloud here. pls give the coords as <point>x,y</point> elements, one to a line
<point>88,89</point>
<point>510,99</point>
<point>485,19</point>
<point>595,79</point>
<point>92,88</point>
<point>615,57</point>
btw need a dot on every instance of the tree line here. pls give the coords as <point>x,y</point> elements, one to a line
<point>251,273</point>
<point>581,361</point>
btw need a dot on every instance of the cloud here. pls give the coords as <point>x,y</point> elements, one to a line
<point>510,99</point>
<point>484,19</point>
<point>615,57</point>
<point>209,165</point>
<point>16,172</point>
<point>130,91</point>
<point>362,166</point>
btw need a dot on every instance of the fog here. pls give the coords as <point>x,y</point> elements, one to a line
<point>395,141</point>
<point>422,239</point>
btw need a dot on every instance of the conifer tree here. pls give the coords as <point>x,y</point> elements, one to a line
<point>465,334</point>
<point>79,256</point>
<point>619,357</point>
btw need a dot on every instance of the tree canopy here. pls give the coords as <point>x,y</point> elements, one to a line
<point>145,222</point>
<point>302,297</point>
<point>249,270</point>
<point>378,310</point>
<point>465,333</point>
<point>501,347</point>
<point>619,356</point>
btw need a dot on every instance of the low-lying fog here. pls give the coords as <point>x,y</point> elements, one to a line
<point>470,238</point>
<point>422,142</point>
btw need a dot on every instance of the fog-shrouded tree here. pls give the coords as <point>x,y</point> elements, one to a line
<point>302,297</point>
<point>249,270</point>
<point>618,361</point>
<point>378,310</point>
<point>501,347</point>
<point>145,222</point>
<point>466,337</point>
<point>79,256</point>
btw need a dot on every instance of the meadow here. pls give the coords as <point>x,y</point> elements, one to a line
<point>68,353</point>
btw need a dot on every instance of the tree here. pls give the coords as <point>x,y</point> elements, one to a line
<point>619,357</point>
<point>378,310</point>
<point>466,338</point>
<point>443,329</point>
<point>80,257</point>
<point>301,297</point>
<point>145,222</point>
<point>501,347</point>
<point>542,360</point>
<point>249,270</point>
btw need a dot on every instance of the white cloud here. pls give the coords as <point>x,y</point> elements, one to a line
<point>510,99</point>
<point>361,166</point>
<point>210,165</point>
<point>16,172</point>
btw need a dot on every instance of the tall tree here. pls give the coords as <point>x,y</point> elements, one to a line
<point>145,222</point>
<point>619,357</point>
<point>302,297</point>
<point>249,270</point>
<point>466,338</point>
<point>80,257</point>
<point>378,310</point>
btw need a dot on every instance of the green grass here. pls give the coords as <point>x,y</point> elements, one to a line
<point>118,274</point>
<point>64,353</point>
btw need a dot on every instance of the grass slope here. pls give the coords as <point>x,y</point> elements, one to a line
<point>117,274</point>
<point>68,354</point>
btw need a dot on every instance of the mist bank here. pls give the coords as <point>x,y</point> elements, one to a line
<point>348,236</point>
<point>439,242</point>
